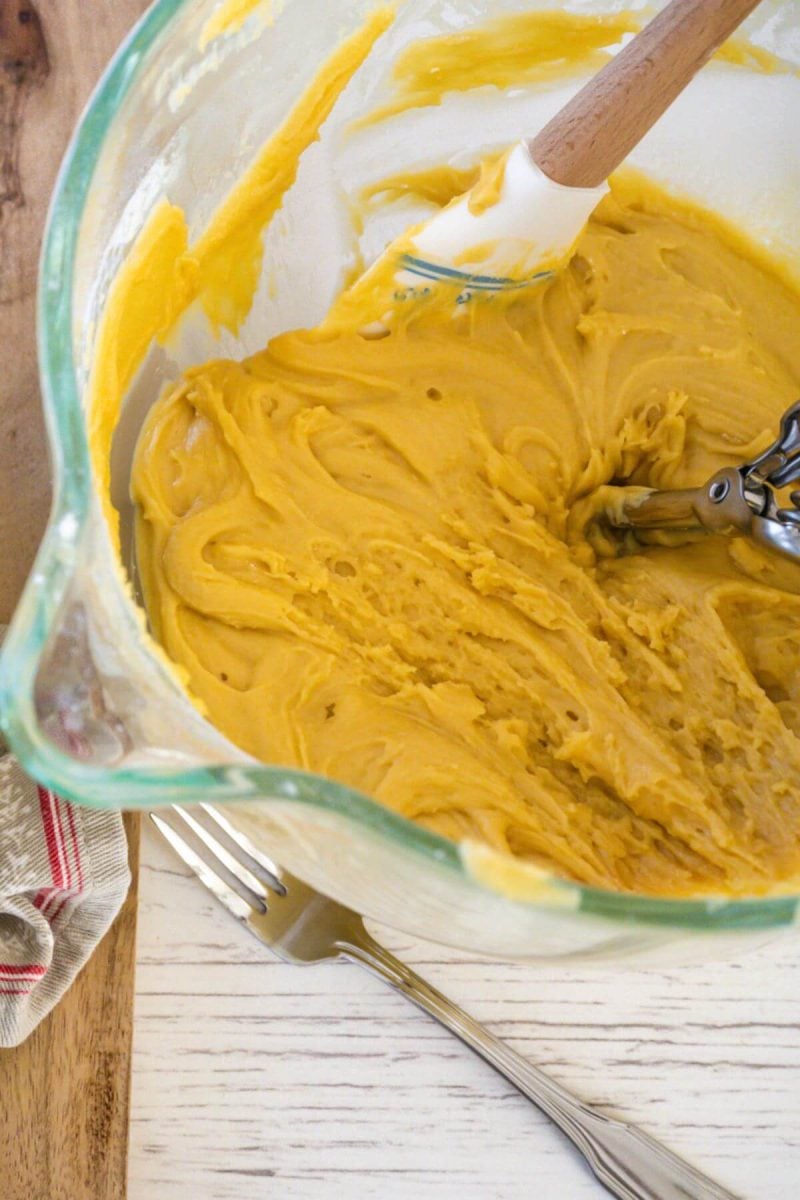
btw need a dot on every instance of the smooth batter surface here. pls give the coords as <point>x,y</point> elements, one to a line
<point>370,558</point>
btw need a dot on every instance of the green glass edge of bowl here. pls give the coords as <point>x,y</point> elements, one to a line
<point>55,560</point>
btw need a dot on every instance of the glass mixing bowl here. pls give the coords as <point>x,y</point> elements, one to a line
<point>90,706</point>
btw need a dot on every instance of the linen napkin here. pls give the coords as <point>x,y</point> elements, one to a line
<point>63,877</point>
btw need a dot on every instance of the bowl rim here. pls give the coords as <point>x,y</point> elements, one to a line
<point>58,554</point>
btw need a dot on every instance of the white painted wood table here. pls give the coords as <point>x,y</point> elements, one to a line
<point>253,1079</point>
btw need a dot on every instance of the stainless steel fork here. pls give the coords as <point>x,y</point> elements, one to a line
<point>303,926</point>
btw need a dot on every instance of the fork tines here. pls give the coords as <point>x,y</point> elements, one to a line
<point>237,874</point>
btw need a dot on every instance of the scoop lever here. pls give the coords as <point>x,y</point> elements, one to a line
<point>739,500</point>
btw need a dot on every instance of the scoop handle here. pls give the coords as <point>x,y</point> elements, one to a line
<point>596,131</point>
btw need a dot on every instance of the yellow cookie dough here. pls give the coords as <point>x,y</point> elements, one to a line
<point>369,557</point>
<point>165,274</point>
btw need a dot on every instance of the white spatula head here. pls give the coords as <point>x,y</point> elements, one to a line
<point>516,241</point>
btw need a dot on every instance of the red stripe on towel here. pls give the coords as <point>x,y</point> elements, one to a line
<point>76,852</point>
<point>15,969</point>
<point>51,836</point>
<point>52,901</point>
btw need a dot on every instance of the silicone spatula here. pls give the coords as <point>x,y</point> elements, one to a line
<point>553,182</point>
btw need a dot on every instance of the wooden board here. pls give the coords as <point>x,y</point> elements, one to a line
<point>64,1095</point>
<point>65,1092</point>
<point>51,54</point>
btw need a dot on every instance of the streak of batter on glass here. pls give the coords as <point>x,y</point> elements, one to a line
<point>372,558</point>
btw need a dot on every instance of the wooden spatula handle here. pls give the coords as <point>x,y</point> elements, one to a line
<point>600,126</point>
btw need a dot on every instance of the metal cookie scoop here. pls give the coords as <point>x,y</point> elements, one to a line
<point>735,500</point>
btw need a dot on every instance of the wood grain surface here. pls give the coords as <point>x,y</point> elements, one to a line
<point>51,54</point>
<point>253,1079</point>
<point>64,1094</point>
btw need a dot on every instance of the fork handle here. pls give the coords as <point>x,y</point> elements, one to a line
<point>629,1163</point>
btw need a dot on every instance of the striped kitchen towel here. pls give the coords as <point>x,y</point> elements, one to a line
<point>63,878</point>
